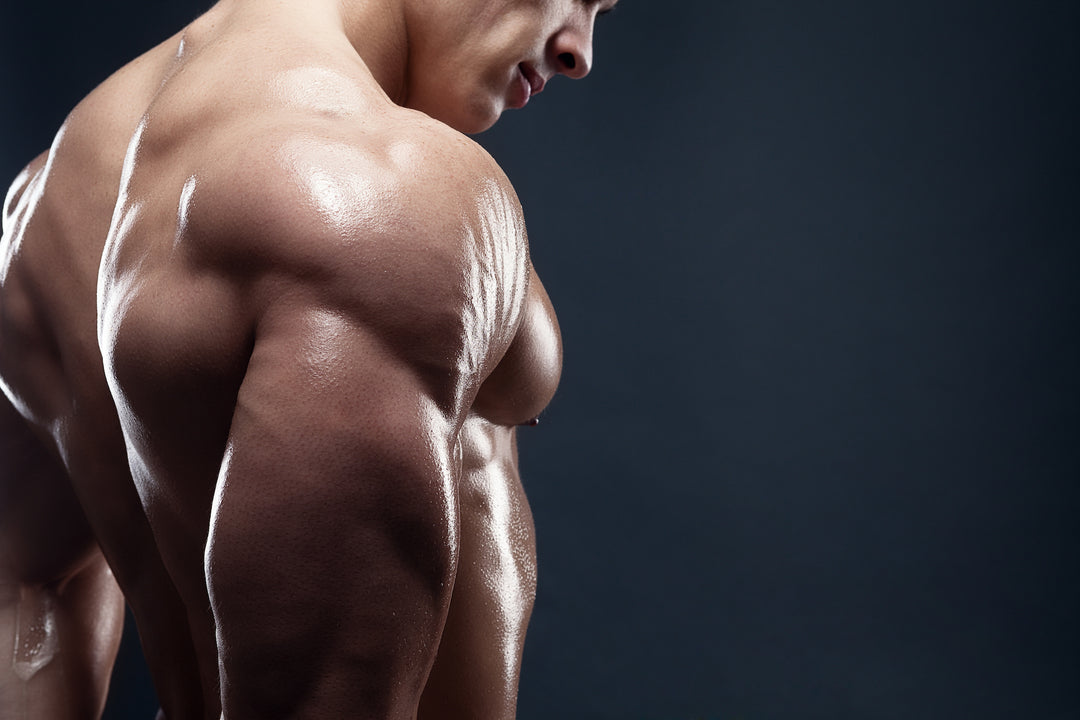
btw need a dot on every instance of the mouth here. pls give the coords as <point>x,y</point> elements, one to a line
<point>526,83</point>
<point>535,80</point>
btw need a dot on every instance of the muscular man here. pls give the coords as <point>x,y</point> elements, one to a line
<point>64,476</point>
<point>319,328</point>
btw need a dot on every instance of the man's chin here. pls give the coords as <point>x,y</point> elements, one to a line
<point>467,118</point>
<point>477,120</point>
<point>479,128</point>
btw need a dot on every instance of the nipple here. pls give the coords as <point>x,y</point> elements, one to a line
<point>532,423</point>
<point>35,633</point>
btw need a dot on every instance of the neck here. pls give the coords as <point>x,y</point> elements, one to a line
<point>375,29</point>
<point>378,32</point>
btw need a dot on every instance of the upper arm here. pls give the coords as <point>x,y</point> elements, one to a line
<point>332,546</point>
<point>333,541</point>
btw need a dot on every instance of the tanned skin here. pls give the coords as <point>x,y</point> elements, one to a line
<point>64,479</point>
<point>266,333</point>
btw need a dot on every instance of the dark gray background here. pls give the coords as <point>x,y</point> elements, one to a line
<point>816,450</point>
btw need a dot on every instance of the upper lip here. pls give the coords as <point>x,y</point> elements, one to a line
<point>535,79</point>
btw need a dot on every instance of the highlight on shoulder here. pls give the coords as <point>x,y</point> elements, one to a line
<point>19,187</point>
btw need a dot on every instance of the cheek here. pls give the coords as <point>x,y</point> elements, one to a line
<point>466,101</point>
<point>511,37</point>
<point>481,73</point>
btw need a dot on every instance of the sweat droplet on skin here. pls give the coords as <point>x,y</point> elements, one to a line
<point>35,634</point>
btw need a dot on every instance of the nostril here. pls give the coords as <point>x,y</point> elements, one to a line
<point>568,60</point>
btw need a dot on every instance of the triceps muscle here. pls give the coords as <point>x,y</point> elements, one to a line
<point>334,536</point>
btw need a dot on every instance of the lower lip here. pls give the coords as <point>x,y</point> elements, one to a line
<point>520,92</point>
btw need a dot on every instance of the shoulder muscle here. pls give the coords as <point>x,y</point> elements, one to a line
<point>414,234</point>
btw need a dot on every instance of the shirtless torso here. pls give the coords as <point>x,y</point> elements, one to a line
<point>64,478</point>
<point>320,329</point>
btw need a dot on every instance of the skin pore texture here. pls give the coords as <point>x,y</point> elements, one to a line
<point>268,325</point>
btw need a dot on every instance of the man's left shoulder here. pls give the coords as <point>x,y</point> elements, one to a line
<point>453,171</point>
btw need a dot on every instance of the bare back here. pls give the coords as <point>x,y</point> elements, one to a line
<point>67,493</point>
<point>320,329</point>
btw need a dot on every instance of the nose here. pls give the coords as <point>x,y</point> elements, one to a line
<point>572,49</point>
